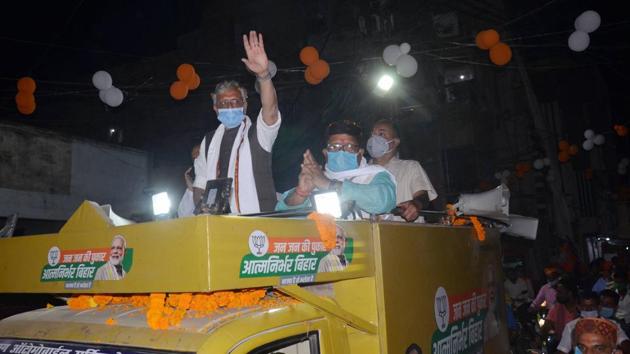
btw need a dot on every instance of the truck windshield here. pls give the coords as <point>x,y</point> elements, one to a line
<point>25,346</point>
<point>307,343</point>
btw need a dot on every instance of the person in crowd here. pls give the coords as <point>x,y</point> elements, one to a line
<point>595,335</point>
<point>604,281</point>
<point>519,293</point>
<point>186,204</point>
<point>414,190</point>
<point>368,189</point>
<point>621,287</point>
<point>592,306</point>
<point>564,311</point>
<point>241,148</point>
<point>547,293</point>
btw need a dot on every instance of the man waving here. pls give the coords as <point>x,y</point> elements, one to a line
<point>241,148</point>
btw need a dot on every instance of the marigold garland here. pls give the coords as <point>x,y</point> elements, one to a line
<point>168,310</point>
<point>326,228</point>
<point>481,232</point>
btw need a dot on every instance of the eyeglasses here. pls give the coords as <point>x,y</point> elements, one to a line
<point>349,147</point>
<point>233,103</point>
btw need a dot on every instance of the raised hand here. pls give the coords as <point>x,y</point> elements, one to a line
<point>315,170</point>
<point>256,60</point>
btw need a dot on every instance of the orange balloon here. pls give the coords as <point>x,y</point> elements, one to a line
<point>500,54</point>
<point>487,39</point>
<point>194,82</point>
<point>309,77</point>
<point>563,145</point>
<point>23,99</point>
<point>621,130</point>
<point>320,69</point>
<point>573,150</point>
<point>179,90</point>
<point>26,84</point>
<point>185,72</point>
<point>27,109</point>
<point>563,156</point>
<point>309,55</point>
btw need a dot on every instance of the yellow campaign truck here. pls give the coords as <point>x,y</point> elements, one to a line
<point>269,285</point>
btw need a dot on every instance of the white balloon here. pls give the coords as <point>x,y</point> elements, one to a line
<point>579,41</point>
<point>498,175</point>
<point>547,161</point>
<point>405,48</point>
<point>391,53</point>
<point>599,139</point>
<point>539,164</point>
<point>588,145</point>
<point>102,80</point>
<point>114,97</point>
<point>625,161</point>
<point>273,69</point>
<point>406,65</point>
<point>101,95</point>
<point>588,21</point>
<point>505,174</point>
<point>589,134</point>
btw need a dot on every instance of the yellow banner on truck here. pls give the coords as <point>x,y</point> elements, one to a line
<point>383,288</point>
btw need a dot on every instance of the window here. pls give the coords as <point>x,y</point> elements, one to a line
<point>307,343</point>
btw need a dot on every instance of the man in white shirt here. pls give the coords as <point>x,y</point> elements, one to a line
<point>186,204</point>
<point>241,148</point>
<point>592,307</point>
<point>414,190</point>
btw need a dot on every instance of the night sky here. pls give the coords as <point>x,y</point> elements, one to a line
<point>61,44</point>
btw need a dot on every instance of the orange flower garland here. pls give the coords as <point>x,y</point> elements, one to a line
<point>481,232</point>
<point>326,228</point>
<point>168,310</point>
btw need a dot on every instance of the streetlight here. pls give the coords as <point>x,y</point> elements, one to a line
<point>385,83</point>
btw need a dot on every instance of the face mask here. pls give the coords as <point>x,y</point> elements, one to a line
<point>378,146</point>
<point>231,117</point>
<point>589,314</point>
<point>341,161</point>
<point>552,282</point>
<point>577,350</point>
<point>607,312</point>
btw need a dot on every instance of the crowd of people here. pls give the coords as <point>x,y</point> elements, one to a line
<point>241,148</point>
<point>599,293</point>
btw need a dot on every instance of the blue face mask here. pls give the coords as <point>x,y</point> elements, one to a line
<point>231,117</point>
<point>589,314</point>
<point>607,312</point>
<point>341,161</point>
<point>577,350</point>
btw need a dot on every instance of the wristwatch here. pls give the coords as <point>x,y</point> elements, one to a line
<point>335,185</point>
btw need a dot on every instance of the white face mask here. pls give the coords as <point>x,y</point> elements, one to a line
<point>378,146</point>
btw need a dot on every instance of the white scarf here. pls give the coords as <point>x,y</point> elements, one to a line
<point>362,175</point>
<point>247,194</point>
